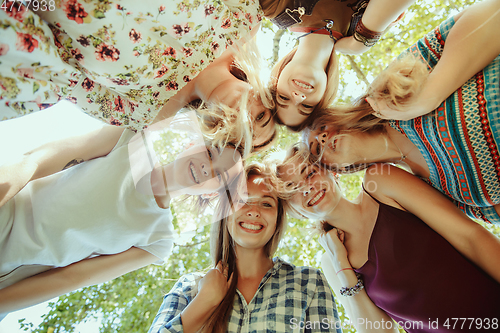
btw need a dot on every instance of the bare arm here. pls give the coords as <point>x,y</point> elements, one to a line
<point>378,16</point>
<point>359,307</point>
<point>472,43</point>
<point>58,281</point>
<point>53,157</point>
<point>466,236</point>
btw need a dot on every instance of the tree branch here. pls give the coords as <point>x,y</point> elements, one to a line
<point>357,70</point>
<point>276,46</point>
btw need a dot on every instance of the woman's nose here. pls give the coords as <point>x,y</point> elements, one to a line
<point>321,138</point>
<point>205,169</point>
<point>298,97</point>
<point>253,212</point>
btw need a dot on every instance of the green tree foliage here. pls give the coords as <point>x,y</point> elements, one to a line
<point>129,303</point>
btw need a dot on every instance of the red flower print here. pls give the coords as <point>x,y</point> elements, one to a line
<point>181,30</point>
<point>136,54</point>
<point>119,7</point>
<point>214,46</point>
<point>114,122</point>
<point>162,71</point>
<point>186,78</point>
<point>4,48</point>
<point>72,83</point>
<point>88,85</point>
<point>119,81</point>
<point>187,52</point>
<point>105,52</point>
<point>16,12</point>
<point>209,10</point>
<point>161,9</point>
<point>170,51</point>
<point>25,42</point>
<point>74,11</point>
<point>84,41</point>
<point>135,36</point>
<point>249,17</point>
<point>77,55</point>
<point>70,99</point>
<point>172,85</point>
<point>156,94</point>
<point>226,23</point>
<point>119,107</point>
<point>26,72</point>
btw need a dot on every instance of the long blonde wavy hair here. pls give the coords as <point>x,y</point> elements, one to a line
<point>222,124</point>
<point>398,85</point>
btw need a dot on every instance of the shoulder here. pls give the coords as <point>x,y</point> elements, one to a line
<point>187,285</point>
<point>380,177</point>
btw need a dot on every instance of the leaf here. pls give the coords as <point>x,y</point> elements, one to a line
<point>36,86</point>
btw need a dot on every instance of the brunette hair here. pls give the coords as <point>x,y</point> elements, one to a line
<point>222,245</point>
<point>273,8</point>
<point>332,75</point>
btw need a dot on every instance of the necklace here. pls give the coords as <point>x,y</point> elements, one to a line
<point>403,156</point>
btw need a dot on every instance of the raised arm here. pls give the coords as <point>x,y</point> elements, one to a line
<point>472,43</point>
<point>339,273</point>
<point>466,236</point>
<point>54,157</point>
<point>378,17</point>
<point>58,281</point>
<point>182,313</point>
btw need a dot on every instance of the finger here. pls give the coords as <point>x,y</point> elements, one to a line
<point>230,279</point>
<point>219,267</point>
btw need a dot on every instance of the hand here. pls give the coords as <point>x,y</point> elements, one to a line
<point>348,45</point>
<point>214,285</point>
<point>333,243</point>
<point>383,110</point>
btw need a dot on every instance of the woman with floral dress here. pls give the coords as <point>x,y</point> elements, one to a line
<point>118,61</point>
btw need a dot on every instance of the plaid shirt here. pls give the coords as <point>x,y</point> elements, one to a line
<point>289,299</point>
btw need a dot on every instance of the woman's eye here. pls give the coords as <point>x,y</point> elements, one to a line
<point>283,97</point>
<point>311,174</point>
<point>305,106</point>
<point>209,152</point>
<point>322,128</point>
<point>261,116</point>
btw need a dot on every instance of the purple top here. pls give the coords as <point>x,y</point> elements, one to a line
<point>420,280</point>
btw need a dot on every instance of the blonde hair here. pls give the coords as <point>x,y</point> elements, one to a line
<point>398,85</point>
<point>222,246</point>
<point>332,75</point>
<point>222,124</point>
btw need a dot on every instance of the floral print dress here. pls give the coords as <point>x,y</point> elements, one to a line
<point>119,61</point>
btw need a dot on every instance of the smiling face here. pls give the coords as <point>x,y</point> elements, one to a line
<point>299,90</point>
<point>254,224</point>
<point>316,193</point>
<point>205,169</point>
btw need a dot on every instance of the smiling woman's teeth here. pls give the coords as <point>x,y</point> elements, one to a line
<point>194,173</point>
<point>303,84</point>
<point>316,197</point>
<point>250,226</point>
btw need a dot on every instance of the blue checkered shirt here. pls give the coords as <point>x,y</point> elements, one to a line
<point>289,299</point>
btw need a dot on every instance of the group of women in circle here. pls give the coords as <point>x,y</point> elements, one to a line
<point>404,250</point>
